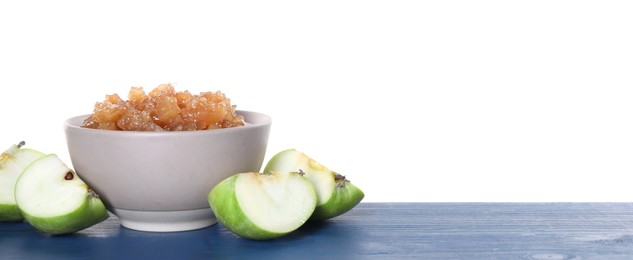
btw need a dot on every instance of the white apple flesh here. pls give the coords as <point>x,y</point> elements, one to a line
<point>53,199</point>
<point>12,163</point>
<point>263,206</point>
<point>336,194</point>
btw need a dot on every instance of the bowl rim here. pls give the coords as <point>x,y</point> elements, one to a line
<point>70,124</point>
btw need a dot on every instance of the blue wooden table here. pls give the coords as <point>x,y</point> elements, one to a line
<point>371,230</point>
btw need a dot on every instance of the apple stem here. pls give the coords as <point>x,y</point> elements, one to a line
<point>340,179</point>
<point>300,172</point>
<point>69,176</point>
<point>20,144</point>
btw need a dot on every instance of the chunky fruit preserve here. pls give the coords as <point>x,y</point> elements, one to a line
<point>164,109</point>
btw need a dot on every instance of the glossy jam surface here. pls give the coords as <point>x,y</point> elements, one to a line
<point>164,109</point>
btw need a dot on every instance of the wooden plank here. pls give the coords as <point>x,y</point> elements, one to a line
<point>371,230</point>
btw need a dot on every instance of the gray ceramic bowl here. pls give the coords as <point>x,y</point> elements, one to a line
<point>159,181</point>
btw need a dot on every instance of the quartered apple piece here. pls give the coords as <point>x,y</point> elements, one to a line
<point>12,163</point>
<point>336,194</point>
<point>53,199</point>
<point>263,205</point>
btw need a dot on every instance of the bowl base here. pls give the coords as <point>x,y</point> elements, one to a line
<point>165,221</point>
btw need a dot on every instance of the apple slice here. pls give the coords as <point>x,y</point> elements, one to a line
<point>53,199</point>
<point>12,162</point>
<point>263,206</point>
<point>336,195</point>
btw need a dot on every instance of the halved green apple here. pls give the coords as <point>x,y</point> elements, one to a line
<point>263,206</point>
<point>336,194</point>
<point>53,199</point>
<point>12,162</point>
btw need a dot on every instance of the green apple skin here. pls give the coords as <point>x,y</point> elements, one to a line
<point>12,163</point>
<point>10,213</point>
<point>88,214</point>
<point>344,199</point>
<point>336,194</point>
<point>54,200</point>
<point>226,206</point>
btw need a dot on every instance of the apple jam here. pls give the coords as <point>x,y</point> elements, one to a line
<point>164,109</point>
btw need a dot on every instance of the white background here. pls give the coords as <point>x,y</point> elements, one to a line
<point>412,100</point>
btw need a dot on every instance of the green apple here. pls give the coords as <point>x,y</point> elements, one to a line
<point>336,194</point>
<point>53,199</point>
<point>263,205</point>
<point>12,162</point>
